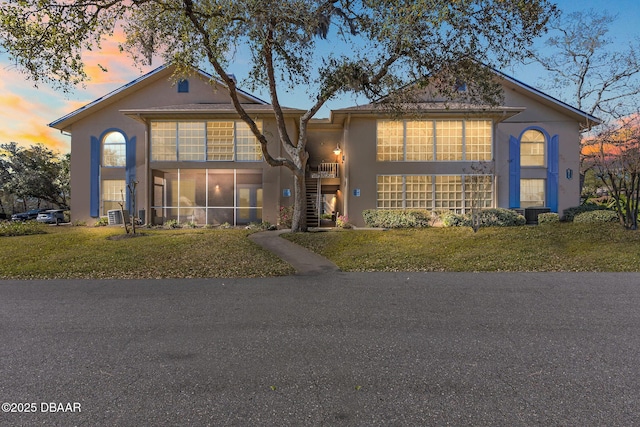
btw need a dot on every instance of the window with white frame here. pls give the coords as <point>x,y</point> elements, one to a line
<point>449,140</point>
<point>390,192</point>
<point>428,140</point>
<point>217,140</point>
<point>220,141</point>
<point>114,148</point>
<point>477,139</point>
<point>458,193</point>
<point>532,146</point>
<point>113,191</point>
<point>390,140</point>
<point>248,148</point>
<point>532,192</point>
<point>164,141</point>
<point>191,137</point>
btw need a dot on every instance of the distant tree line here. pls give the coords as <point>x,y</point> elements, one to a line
<point>33,177</point>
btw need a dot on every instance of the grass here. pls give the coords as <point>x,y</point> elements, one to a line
<point>553,247</point>
<point>87,252</point>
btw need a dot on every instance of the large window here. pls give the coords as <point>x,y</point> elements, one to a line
<point>113,191</point>
<point>208,196</point>
<point>448,140</point>
<point>428,140</point>
<point>532,146</point>
<point>114,150</point>
<point>191,137</point>
<point>458,193</point>
<point>532,192</point>
<point>199,141</point>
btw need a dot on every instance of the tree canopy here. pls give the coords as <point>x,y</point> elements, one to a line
<point>589,67</point>
<point>329,47</point>
<point>35,173</point>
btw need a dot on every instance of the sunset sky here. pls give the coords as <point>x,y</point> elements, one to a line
<point>26,110</point>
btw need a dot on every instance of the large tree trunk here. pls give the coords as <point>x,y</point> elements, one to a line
<point>299,222</point>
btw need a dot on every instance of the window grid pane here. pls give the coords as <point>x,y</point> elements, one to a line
<point>448,193</point>
<point>478,191</point>
<point>419,192</point>
<point>532,146</point>
<point>419,140</point>
<point>191,138</point>
<point>478,140</point>
<point>163,141</point>
<point>390,192</point>
<point>390,140</point>
<point>114,150</point>
<point>113,191</point>
<point>532,192</point>
<point>248,148</point>
<point>448,140</point>
<point>220,141</point>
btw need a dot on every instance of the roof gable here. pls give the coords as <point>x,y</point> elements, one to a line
<point>162,72</point>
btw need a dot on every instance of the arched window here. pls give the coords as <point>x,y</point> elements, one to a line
<point>114,150</point>
<point>532,147</point>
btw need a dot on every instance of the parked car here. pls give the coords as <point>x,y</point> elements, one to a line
<point>24,216</point>
<point>52,216</point>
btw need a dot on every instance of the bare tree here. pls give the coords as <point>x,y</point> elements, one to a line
<point>588,68</point>
<point>613,153</point>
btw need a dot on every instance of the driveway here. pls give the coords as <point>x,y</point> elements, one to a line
<point>340,349</point>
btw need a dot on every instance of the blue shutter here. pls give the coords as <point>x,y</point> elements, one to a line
<point>130,171</point>
<point>94,179</point>
<point>514,173</point>
<point>553,159</point>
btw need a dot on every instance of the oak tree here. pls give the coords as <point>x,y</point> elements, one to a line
<point>323,48</point>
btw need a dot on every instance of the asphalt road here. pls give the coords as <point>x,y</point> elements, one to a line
<point>341,349</point>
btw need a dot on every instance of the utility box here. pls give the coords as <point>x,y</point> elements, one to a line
<point>115,217</point>
<point>531,214</point>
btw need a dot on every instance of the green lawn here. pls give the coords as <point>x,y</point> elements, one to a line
<point>558,247</point>
<point>86,252</point>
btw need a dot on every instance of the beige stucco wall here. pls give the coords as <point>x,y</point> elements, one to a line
<point>362,168</point>
<point>159,91</point>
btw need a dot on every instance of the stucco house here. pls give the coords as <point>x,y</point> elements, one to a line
<point>194,160</point>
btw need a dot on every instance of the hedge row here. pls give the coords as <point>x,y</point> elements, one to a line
<point>497,217</point>
<point>396,218</point>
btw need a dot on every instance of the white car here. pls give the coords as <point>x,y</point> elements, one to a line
<point>53,216</point>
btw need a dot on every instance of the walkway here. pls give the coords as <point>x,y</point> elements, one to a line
<point>303,260</point>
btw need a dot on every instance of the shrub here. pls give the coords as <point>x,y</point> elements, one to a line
<point>570,213</point>
<point>265,225</point>
<point>452,219</point>
<point>379,218</point>
<point>191,224</point>
<point>20,228</point>
<point>342,221</point>
<point>285,216</point>
<point>500,217</point>
<point>495,217</point>
<point>548,218</point>
<point>597,216</point>
<point>172,223</point>
<point>103,221</point>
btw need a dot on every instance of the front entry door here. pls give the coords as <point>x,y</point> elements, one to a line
<point>249,203</point>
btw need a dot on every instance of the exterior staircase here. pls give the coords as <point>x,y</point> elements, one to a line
<point>313,201</point>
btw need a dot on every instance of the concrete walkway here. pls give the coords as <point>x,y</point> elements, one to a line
<point>303,260</point>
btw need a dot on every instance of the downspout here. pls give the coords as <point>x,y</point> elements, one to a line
<point>345,138</point>
<point>149,178</point>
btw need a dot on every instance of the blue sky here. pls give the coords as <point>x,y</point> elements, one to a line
<point>26,111</point>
